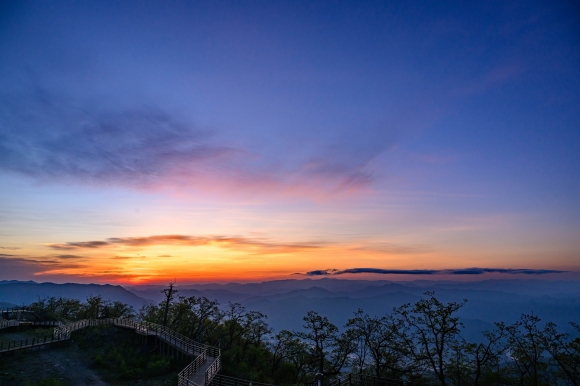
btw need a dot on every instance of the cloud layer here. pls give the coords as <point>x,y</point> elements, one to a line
<point>466,271</point>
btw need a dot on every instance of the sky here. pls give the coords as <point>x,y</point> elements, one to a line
<point>148,142</point>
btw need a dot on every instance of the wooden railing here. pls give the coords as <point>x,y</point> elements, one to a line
<point>8,323</point>
<point>27,343</point>
<point>63,332</point>
<point>200,351</point>
<point>183,378</point>
<point>222,380</point>
<point>47,323</point>
<point>170,335</point>
<point>213,370</point>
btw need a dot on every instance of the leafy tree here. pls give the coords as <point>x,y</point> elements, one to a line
<point>380,336</point>
<point>484,359</point>
<point>233,323</point>
<point>194,316</point>
<point>93,307</point>
<point>117,309</point>
<point>429,330</point>
<point>98,308</point>
<point>255,331</point>
<point>526,350</point>
<point>564,353</point>
<point>52,308</point>
<point>288,348</point>
<point>328,349</point>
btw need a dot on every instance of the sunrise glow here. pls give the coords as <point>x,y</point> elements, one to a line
<point>208,142</point>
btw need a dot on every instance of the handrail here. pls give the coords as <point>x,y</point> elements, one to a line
<point>175,339</point>
<point>189,370</point>
<point>8,323</point>
<point>223,380</point>
<point>212,370</point>
<point>26,343</point>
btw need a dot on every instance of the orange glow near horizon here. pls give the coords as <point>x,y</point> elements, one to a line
<point>186,259</point>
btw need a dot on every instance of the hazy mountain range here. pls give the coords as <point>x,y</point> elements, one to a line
<point>287,301</point>
<point>15,293</point>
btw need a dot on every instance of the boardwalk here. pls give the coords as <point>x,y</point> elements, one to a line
<point>205,364</point>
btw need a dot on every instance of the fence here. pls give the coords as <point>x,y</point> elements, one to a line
<point>222,380</point>
<point>27,343</point>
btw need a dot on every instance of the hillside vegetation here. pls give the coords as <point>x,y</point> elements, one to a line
<point>417,343</point>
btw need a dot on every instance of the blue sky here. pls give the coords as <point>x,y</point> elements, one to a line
<point>436,135</point>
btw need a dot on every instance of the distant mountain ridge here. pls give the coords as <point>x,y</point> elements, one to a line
<point>26,292</point>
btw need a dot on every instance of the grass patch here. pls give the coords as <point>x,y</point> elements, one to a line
<point>118,355</point>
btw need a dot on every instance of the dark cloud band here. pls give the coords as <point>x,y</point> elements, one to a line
<point>481,271</point>
<point>466,271</point>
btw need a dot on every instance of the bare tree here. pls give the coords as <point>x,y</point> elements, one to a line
<point>169,293</point>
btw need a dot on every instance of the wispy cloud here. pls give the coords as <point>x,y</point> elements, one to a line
<point>100,145</point>
<point>67,257</point>
<point>125,257</point>
<point>147,147</point>
<point>229,242</point>
<point>80,245</point>
<point>466,271</point>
